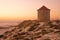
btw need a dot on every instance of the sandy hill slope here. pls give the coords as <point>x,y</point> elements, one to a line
<point>34,30</point>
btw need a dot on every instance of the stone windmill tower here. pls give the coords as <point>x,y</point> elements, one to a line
<point>43,14</point>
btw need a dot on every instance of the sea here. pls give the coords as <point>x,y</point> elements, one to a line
<point>6,24</point>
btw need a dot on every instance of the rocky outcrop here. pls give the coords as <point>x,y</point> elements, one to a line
<point>34,30</point>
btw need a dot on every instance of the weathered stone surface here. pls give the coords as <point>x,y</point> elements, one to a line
<point>33,30</point>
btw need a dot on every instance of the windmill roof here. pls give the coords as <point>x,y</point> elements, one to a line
<point>43,8</point>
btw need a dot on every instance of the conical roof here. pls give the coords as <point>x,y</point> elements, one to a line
<point>43,8</point>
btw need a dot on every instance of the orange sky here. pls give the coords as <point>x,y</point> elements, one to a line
<point>15,10</point>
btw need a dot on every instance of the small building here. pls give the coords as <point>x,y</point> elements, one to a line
<point>43,14</point>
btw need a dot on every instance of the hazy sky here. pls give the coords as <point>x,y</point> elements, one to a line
<point>15,10</point>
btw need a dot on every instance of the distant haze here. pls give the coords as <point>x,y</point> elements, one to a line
<point>16,10</point>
